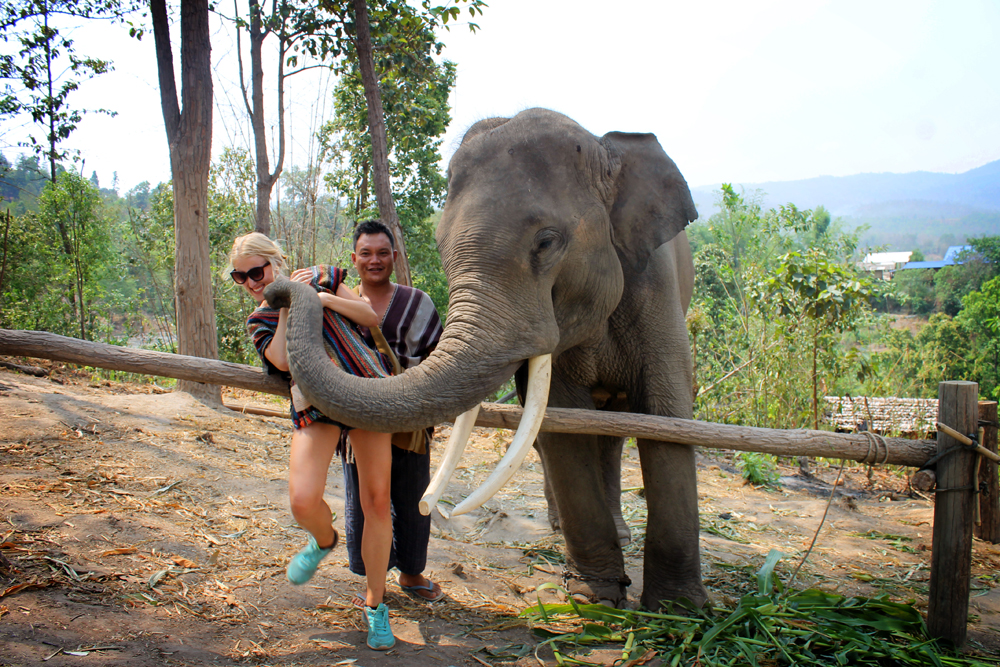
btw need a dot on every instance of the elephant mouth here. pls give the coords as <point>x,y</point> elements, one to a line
<point>537,397</point>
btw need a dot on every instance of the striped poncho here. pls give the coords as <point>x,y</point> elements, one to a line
<point>341,337</point>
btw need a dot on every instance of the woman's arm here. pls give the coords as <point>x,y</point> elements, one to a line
<point>277,351</point>
<point>345,301</point>
<point>350,305</point>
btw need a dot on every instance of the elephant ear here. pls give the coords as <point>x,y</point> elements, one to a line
<point>484,125</point>
<point>652,203</point>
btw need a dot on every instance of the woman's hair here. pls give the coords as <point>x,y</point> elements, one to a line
<point>256,243</point>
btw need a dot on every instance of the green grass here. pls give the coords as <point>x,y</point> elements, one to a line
<point>769,628</point>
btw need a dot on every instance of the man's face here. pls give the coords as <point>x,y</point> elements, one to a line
<point>373,258</point>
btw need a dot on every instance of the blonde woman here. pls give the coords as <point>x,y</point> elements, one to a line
<point>254,262</point>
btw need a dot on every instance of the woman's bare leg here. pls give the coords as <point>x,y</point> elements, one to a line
<point>373,455</point>
<point>313,448</point>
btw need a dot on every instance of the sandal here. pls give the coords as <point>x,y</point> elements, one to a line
<point>435,591</point>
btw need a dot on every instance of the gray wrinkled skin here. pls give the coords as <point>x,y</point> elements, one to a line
<point>556,241</point>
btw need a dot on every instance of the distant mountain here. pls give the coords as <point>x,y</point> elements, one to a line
<point>920,209</point>
<point>848,195</point>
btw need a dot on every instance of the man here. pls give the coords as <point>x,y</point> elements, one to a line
<point>411,327</point>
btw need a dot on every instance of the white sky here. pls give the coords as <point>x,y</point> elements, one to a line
<point>735,91</point>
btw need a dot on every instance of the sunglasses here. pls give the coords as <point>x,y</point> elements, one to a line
<point>255,274</point>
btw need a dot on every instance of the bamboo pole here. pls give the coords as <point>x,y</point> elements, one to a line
<point>989,482</point>
<point>854,447</point>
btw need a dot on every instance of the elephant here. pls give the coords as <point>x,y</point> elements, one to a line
<point>561,246</point>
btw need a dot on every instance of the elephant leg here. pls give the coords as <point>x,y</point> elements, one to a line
<point>672,563</point>
<point>611,464</point>
<point>573,467</point>
<point>550,498</point>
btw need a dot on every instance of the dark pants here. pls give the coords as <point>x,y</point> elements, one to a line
<point>411,473</point>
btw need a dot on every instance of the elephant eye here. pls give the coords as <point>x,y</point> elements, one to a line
<point>545,251</point>
<point>547,238</point>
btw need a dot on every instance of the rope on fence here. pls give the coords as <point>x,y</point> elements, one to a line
<point>967,443</point>
<point>874,440</point>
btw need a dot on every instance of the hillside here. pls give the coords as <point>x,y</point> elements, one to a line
<point>920,209</point>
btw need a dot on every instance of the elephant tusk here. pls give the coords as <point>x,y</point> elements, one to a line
<point>539,376</point>
<point>460,433</point>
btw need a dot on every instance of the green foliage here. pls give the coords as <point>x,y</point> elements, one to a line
<point>150,240</point>
<point>761,310</point>
<point>102,268</point>
<point>781,317</point>
<point>148,243</point>
<point>42,75</point>
<point>415,92</point>
<point>22,184</point>
<point>951,283</point>
<point>62,269</point>
<point>828,298</point>
<point>310,225</point>
<point>773,627</point>
<point>758,469</point>
<point>914,291</point>
<point>809,286</point>
<point>425,262</point>
<point>980,317</point>
<point>326,31</point>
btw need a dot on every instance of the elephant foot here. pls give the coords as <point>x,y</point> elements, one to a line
<point>696,593</point>
<point>611,592</point>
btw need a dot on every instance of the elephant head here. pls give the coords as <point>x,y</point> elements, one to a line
<point>555,242</point>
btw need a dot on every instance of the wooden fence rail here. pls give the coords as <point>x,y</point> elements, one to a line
<point>851,446</point>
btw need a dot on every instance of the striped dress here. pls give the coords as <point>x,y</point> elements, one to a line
<point>342,339</point>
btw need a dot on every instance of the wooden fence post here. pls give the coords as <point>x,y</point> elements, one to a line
<point>989,479</point>
<point>951,550</point>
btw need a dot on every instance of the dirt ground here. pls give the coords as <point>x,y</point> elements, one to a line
<point>139,527</point>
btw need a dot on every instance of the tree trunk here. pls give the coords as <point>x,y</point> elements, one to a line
<point>189,134</point>
<point>3,263</point>
<point>989,483</point>
<point>380,151</point>
<point>49,102</point>
<point>815,377</point>
<point>265,178</point>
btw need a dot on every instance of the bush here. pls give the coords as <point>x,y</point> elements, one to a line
<point>758,469</point>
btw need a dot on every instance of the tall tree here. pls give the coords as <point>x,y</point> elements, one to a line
<point>376,127</point>
<point>259,27</point>
<point>337,30</point>
<point>189,135</point>
<point>414,90</point>
<point>40,77</point>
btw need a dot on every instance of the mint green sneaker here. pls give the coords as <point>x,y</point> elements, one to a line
<point>379,633</point>
<point>303,566</point>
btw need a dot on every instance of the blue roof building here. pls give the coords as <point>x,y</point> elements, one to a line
<point>950,259</point>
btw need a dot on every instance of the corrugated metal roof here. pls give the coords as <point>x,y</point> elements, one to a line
<point>937,264</point>
<point>950,259</point>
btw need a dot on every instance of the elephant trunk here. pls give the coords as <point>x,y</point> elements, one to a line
<point>454,378</point>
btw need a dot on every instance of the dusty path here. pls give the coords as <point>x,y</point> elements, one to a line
<point>142,528</point>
